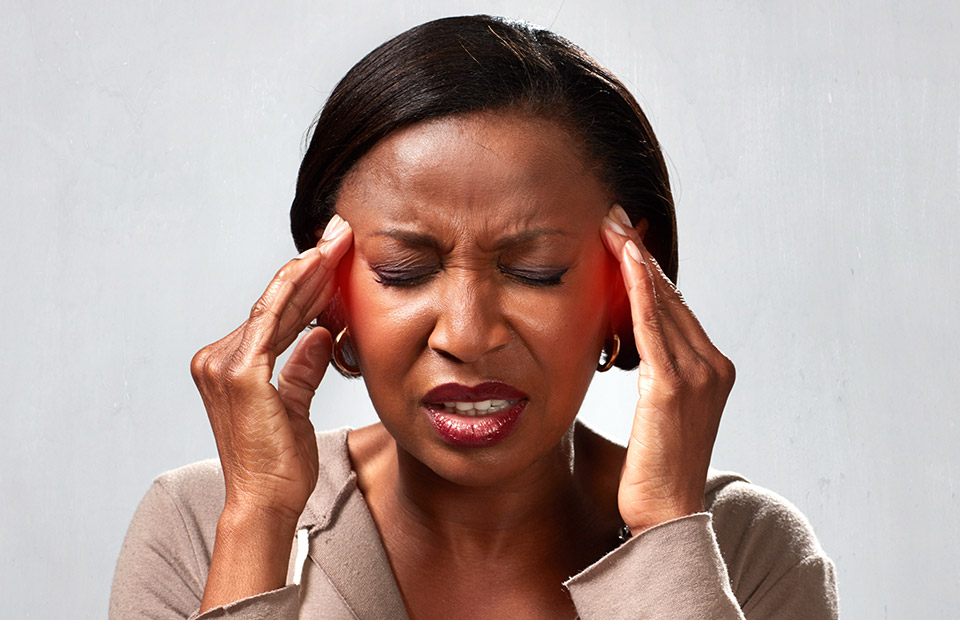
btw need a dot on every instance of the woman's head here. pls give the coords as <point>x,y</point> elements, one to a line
<point>465,65</point>
<point>477,261</point>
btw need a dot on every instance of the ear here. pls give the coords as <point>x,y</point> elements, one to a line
<point>332,317</point>
<point>620,319</point>
<point>642,226</point>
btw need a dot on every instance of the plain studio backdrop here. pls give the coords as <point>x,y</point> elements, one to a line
<point>149,155</point>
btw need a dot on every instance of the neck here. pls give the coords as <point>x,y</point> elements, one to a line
<point>560,512</point>
<point>546,503</point>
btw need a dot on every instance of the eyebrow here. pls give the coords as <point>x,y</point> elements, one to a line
<point>414,238</point>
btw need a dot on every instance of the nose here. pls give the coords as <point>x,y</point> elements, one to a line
<point>470,321</point>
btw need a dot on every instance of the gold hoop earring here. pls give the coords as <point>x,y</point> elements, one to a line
<point>607,365</point>
<point>350,370</point>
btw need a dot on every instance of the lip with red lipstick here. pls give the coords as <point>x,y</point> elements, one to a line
<point>478,416</point>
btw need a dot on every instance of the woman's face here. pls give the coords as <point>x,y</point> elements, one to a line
<point>478,294</point>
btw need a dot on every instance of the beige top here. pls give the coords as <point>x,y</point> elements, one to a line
<point>751,555</point>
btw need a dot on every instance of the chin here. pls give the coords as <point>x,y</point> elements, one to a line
<point>479,466</point>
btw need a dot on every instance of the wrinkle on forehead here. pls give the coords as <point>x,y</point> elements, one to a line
<point>485,171</point>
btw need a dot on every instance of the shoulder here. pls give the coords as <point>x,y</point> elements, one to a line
<point>190,498</point>
<point>166,553</point>
<point>184,505</point>
<point>167,548</point>
<point>196,489</point>
<point>762,536</point>
<point>745,513</point>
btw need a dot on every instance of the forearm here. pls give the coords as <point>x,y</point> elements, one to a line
<point>250,556</point>
<point>673,570</point>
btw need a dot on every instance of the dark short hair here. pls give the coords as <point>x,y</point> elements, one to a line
<point>460,65</point>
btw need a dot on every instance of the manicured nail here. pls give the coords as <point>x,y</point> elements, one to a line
<point>617,213</point>
<point>609,223</point>
<point>335,228</point>
<point>633,250</point>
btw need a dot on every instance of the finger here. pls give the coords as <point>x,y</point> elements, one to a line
<point>619,223</point>
<point>670,341</point>
<point>655,328</point>
<point>294,297</point>
<point>679,310</point>
<point>616,233</point>
<point>315,283</point>
<point>299,378</point>
<point>659,340</point>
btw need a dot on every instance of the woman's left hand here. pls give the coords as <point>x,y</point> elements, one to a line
<point>683,386</point>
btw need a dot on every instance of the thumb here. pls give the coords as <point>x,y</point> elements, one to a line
<point>300,376</point>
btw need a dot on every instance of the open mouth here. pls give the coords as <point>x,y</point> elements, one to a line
<point>483,407</point>
<point>478,416</point>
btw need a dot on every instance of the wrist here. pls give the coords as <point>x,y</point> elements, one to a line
<point>242,521</point>
<point>250,555</point>
<point>638,522</point>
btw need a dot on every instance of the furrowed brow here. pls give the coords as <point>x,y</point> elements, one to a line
<point>531,234</point>
<point>410,238</point>
<point>417,239</point>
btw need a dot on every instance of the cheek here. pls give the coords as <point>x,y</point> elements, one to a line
<point>387,327</point>
<point>564,332</point>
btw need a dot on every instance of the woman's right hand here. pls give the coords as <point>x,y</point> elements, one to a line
<point>266,442</point>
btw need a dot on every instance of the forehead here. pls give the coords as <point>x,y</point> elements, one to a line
<point>492,169</point>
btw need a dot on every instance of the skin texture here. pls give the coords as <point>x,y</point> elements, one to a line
<point>466,205</point>
<point>479,248</point>
<point>494,200</point>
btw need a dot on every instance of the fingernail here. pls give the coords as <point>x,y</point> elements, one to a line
<point>621,216</point>
<point>609,223</point>
<point>633,250</point>
<point>335,228</point>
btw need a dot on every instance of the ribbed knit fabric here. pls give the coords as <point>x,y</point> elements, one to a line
<point>751,555</point>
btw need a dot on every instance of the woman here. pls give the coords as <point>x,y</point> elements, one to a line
<point>483,214</point>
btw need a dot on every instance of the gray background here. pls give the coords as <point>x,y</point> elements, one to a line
<point>149,152</point>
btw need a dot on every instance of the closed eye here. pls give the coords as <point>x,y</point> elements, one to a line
<point>412,277</point>
<point>402,277</point>
<point>535,277</point>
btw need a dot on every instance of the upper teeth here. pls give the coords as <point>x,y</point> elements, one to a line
<point>477,408</point>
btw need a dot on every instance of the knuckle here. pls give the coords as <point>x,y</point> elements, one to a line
<point>204,363</point>
<point>264,305</point>
<point>212,367</point>
<point>713,373</point>
<point>260,308</point>
<point>726,369</point>
<point>198,363</point>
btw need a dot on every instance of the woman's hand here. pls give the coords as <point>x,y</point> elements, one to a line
<point>683,384</point>
<point>266,442</point>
